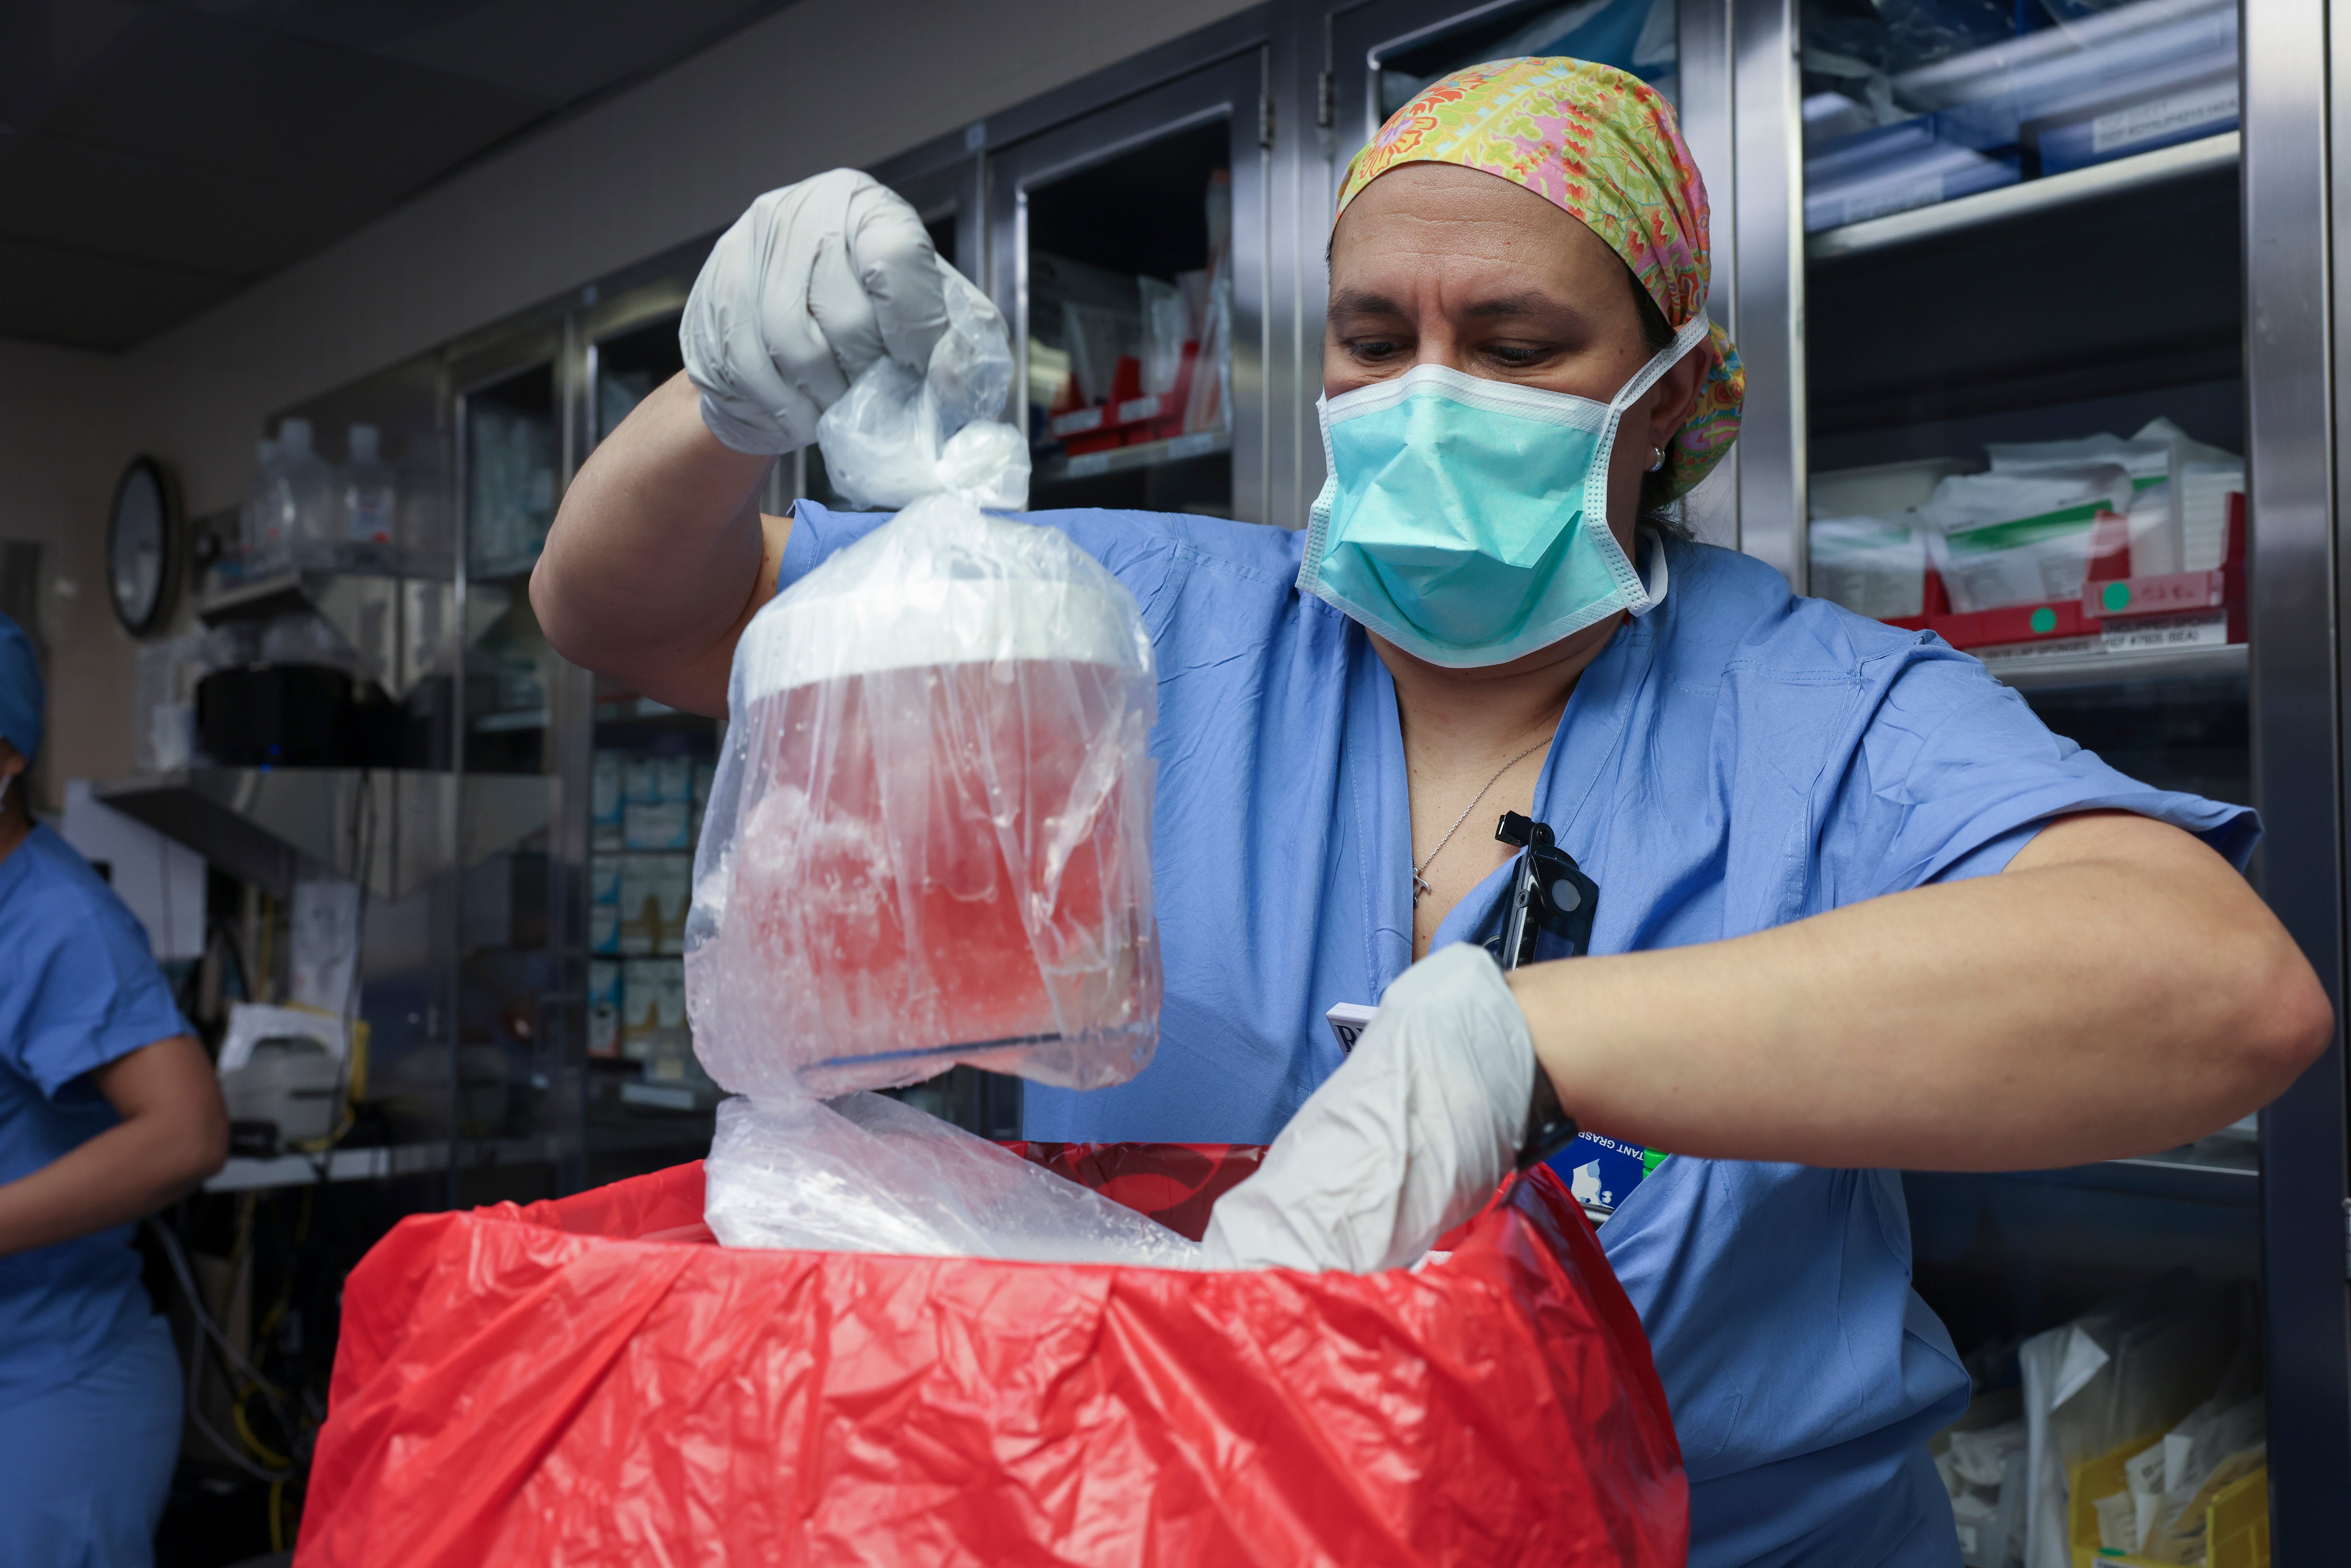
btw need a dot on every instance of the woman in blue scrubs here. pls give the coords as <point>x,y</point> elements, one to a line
<point>109,1110</point>
<point>1858,909</point>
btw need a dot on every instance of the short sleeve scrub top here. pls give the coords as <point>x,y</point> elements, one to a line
<point>89,1393</point>
<point>1736,759</point>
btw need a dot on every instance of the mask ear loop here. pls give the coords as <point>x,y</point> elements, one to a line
<point>1637,599</point>
<point>1318,513</point>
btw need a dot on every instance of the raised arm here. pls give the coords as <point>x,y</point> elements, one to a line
<point>659,554</point>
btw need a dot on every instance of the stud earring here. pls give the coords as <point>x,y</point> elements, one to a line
<point>1656,459</point>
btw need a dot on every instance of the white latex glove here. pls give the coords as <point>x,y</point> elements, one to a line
<point>813,284</point>
<point>1406,1141</point>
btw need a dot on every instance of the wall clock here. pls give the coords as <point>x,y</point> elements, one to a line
<point>142,545</point>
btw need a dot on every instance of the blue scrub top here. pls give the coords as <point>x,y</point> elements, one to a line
<point>1737,759</point>
<point>78,988</point>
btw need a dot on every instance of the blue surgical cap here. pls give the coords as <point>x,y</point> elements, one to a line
<point>20,690</point>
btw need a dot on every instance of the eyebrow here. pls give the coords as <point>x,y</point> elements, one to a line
<point>1362,302</point>
<point>1526,302</point>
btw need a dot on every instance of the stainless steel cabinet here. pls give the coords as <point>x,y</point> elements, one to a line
<point>1129,255</point>
<point>2106,228</point>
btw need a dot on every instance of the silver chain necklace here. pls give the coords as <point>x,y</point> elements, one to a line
<point>1419,880</point>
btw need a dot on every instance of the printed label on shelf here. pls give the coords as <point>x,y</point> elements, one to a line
<point>2142,635</point>
<point>1194,445</point>
<point>2206,630</point>
<point>1087,462</point>
<point>2028,653</point>
<point>2211,103</point>
<point>1137,408</point>
<point>1076,422</point>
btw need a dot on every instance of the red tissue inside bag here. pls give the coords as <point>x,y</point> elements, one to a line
<point>592,1382</point>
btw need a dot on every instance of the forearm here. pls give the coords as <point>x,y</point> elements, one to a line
<point>2059,1013</point>
<point>130,1170</point>
<point>655,561</point>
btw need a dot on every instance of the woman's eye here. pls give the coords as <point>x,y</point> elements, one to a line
<point>1374,348</point>
<point>1517,355</point>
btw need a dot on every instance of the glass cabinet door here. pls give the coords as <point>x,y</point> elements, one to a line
<point>517,1086</point>
<point>640,772</point>
<point>2020,425</point>
<point>1128,255</point>
<point>1384,52</point>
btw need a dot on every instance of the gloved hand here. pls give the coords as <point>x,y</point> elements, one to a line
<point>1406,1141</point>
<point>812,284</point>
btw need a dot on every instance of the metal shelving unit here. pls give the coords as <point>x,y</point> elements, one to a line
<point>2139,171</point>
<point>2189,279</point>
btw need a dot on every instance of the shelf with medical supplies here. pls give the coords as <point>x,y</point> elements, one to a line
<point>1126,459</point>
<point>2032,198</point>
<point>2066,563</point>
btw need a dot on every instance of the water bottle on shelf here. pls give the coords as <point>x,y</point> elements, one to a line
<point>305,497</point>
<point>264,546</point>
<point>367,498</point>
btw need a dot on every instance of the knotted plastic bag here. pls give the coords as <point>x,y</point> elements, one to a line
<point>929,842</point>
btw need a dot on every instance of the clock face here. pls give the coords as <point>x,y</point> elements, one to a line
<point>139,546</point>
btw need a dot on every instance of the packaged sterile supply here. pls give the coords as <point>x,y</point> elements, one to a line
<point>929,834</point>
<point>1999,538</point>
<point>1873,566</point>
<point>605,796</point>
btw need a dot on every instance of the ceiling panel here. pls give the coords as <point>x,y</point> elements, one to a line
<point>568,50</point>
<point>208,220</point>
<point>215,94</point>
<point>163,153</point>
<point>51,295</point>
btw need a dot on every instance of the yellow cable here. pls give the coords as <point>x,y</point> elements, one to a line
<point>261,1450</point>
<point>277,1515</point>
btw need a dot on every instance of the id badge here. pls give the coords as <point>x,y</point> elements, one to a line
<point>1602,1172</point>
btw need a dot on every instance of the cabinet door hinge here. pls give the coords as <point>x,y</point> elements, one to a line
<point>1265,120</point>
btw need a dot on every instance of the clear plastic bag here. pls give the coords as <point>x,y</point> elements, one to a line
<point>865,1174</point>
<point>928,841</point>
<point>895,437</point>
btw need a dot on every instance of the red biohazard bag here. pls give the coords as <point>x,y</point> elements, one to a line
<point>593,1381</point>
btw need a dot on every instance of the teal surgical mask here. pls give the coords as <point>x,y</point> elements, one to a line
<point>1466,520</point>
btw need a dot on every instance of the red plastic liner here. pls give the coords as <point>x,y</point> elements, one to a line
<point>592,1382</point>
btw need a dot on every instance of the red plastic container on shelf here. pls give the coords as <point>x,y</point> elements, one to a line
<point>593,1381</point>
<point>2112,601</point>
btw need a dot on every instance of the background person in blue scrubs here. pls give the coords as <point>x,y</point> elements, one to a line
<point>109,1110</point>
<point>1859,909</point>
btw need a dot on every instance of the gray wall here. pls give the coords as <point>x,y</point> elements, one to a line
<point>64,439</point>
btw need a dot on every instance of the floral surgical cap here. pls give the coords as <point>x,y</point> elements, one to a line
<point>1602,146</point>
